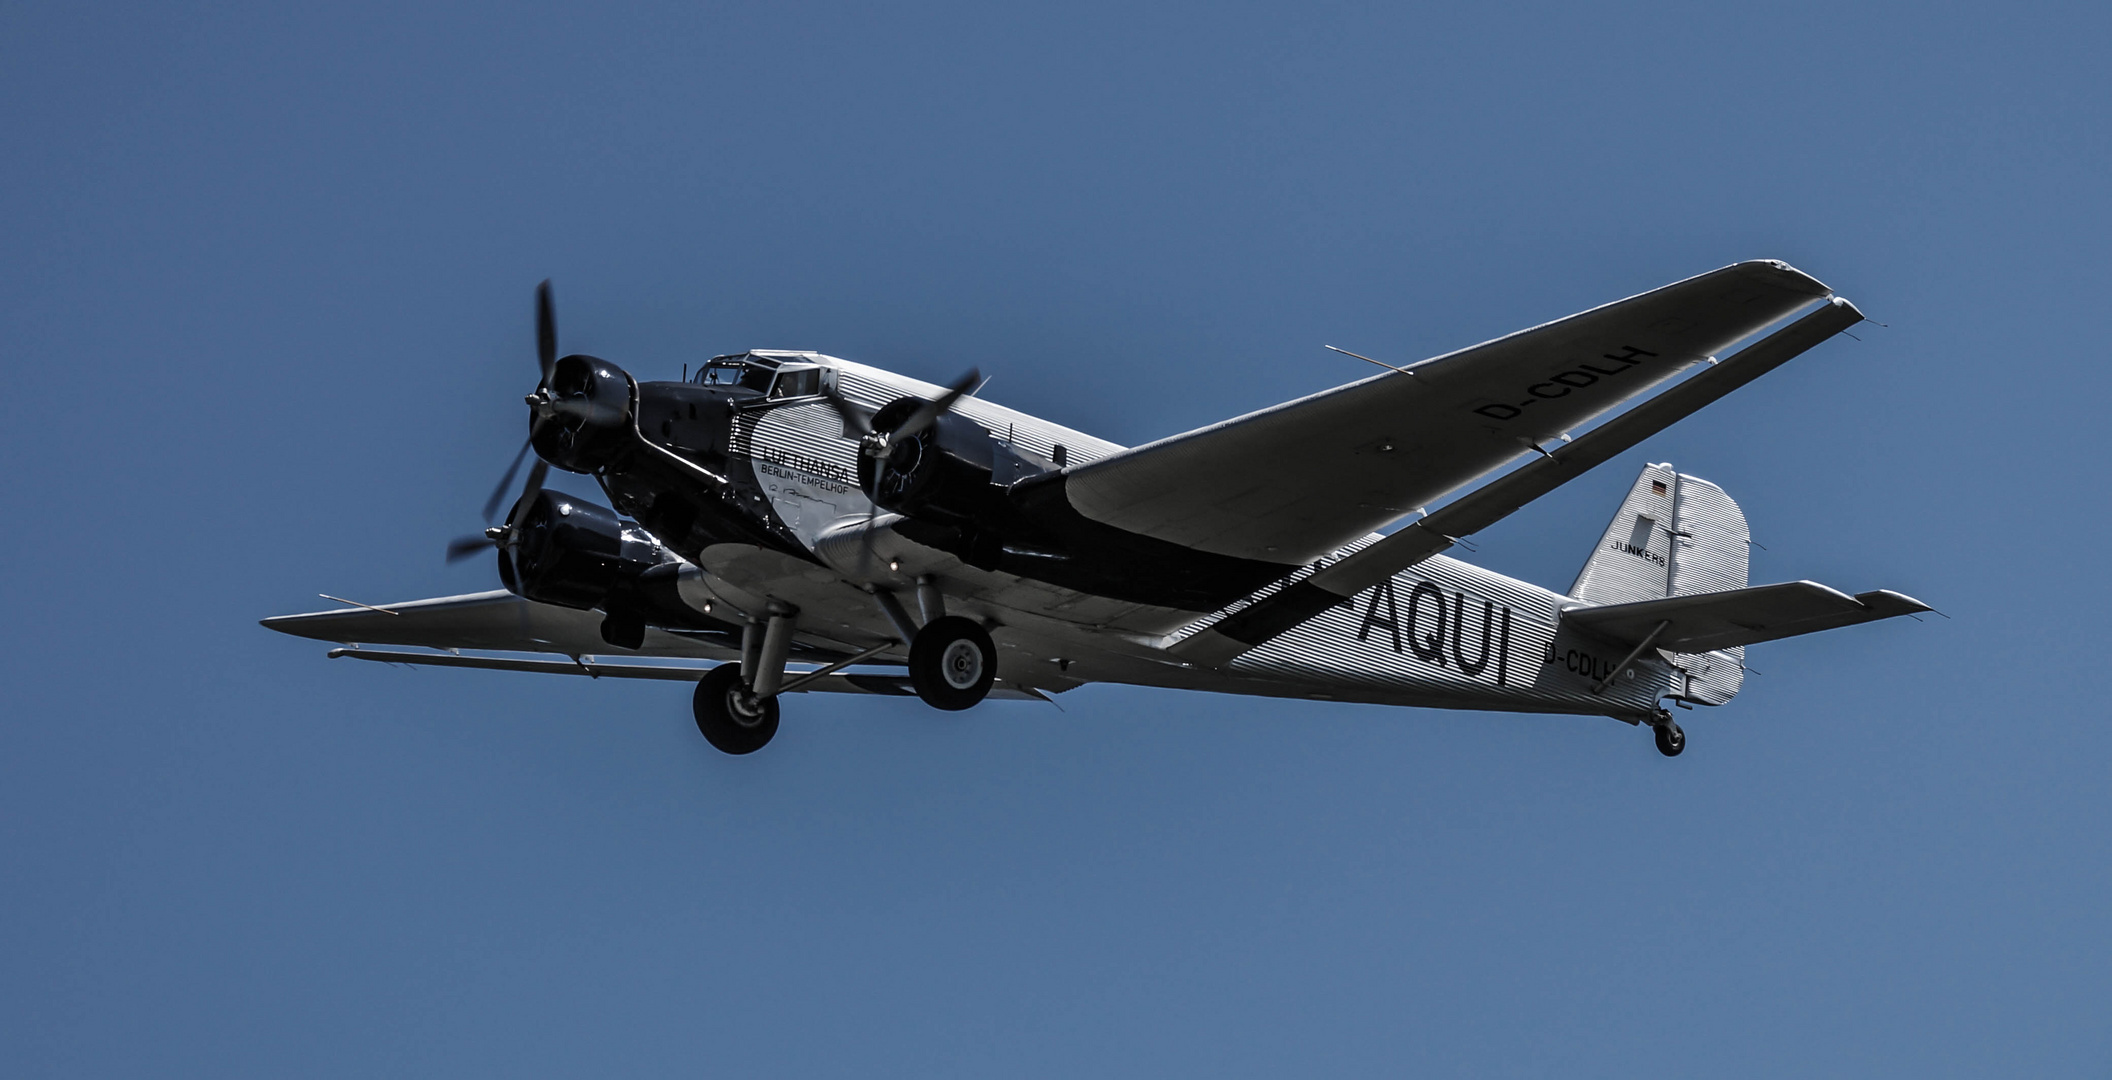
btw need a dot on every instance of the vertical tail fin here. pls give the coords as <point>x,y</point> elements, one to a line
<point>1633,560</point>
<point>1674,535</point>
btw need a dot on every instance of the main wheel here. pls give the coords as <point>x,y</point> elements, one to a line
<point>1670,740</point>
<point>729,716</point>
<point>952,663</point>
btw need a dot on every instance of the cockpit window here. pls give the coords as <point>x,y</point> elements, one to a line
<point>798,382</point>
<point>732,373</point>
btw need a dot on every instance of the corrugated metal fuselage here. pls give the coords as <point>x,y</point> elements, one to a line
<point>792,525</point>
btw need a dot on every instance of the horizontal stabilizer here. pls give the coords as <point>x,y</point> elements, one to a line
<point>1705,622</point>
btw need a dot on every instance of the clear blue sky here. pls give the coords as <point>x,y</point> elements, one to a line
<point>265,320</point>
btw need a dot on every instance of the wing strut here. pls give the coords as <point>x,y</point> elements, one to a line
<point>1477,510</point>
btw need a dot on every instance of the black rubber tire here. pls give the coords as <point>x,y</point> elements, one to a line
<point>952,663</point>
<point>725,724</point>
<point>1670,739</point>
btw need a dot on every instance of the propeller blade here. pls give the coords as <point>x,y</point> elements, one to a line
<point>491,505</point>
<point>462,547</point>
<point>546,359</point>
<point>932,410</point>
<point>545,331</point>
<point>534,487</point>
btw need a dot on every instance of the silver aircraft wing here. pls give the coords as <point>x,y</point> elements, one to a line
<point>497,621</point>
<point>1294,482</point>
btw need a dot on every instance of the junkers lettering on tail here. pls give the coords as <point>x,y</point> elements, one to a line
<point>781,521</point>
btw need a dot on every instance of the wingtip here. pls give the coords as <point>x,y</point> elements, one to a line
<point>290,625</point>
<point>300,626</point>
<point>1784,274</point>
<point>1891,603</point>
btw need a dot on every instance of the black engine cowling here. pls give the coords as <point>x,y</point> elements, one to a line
<point>586,415</point>
<point>942,474</point>
<point>574,554</point>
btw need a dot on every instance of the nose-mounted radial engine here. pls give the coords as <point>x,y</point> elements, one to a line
<point>581,413</point>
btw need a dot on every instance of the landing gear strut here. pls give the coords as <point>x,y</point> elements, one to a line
<point>731,716</point>
<point>1670,739</point>
<point>952,663</point>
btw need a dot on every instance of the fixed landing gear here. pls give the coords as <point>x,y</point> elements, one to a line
<point>731,716</point>
<point>736,704</point>
<point>952,663</point>
<point>1670,739</point>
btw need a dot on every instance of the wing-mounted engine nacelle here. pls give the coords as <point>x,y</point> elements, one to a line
<point>942,474</point>
<point>583,415</point>
<point>951,480</point>
<point>575,554</point>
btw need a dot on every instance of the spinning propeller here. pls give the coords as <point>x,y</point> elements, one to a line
<point>881,444</point>
<point>463,547</point>
<point>875,444</point>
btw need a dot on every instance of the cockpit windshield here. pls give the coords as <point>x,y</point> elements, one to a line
<point>732,373</point>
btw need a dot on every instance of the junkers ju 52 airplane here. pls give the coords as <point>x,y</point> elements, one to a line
<point>815,524</point>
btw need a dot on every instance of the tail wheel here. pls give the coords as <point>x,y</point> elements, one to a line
<point>952,663</point>
<point>731,718</point>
